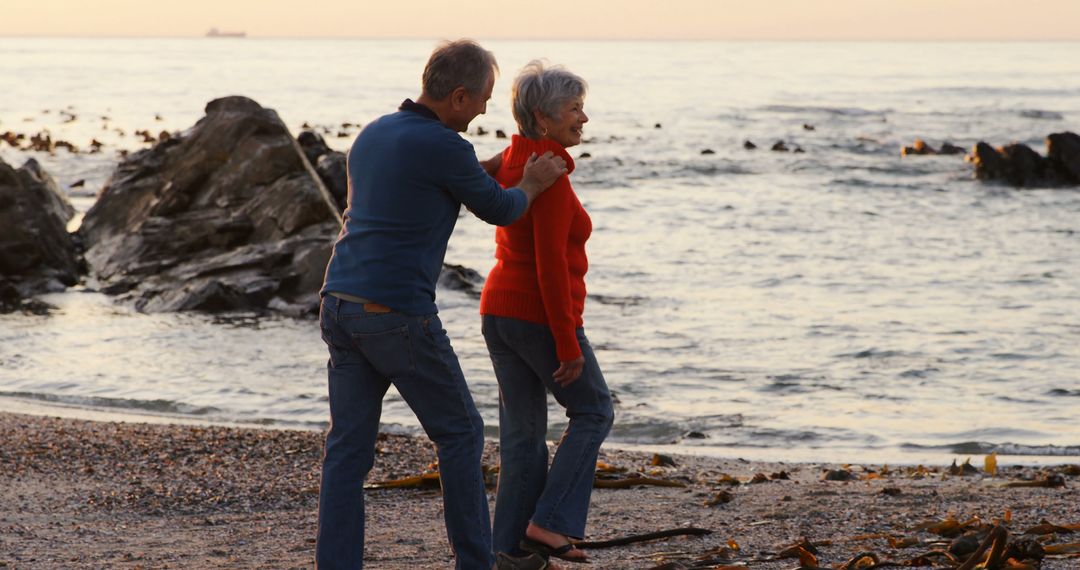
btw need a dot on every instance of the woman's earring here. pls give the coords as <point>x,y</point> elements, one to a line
<point>544,134</point>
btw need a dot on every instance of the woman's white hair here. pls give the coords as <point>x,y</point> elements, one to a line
<point>544,89</point>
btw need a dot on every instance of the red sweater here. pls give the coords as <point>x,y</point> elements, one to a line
<point>540,272</point>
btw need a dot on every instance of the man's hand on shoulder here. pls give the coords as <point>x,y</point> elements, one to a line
<point>540,173</point>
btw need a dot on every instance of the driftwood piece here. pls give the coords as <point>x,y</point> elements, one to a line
<point>1049,481</point>
<point>430,479</point>
<point>422,481</point>
<point>995,542</point>
<point>623,541</point>
<point>633,481</point>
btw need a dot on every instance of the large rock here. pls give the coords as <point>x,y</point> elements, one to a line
<point>989,164</point>
<point>1063,150</point>
<point>330,164</point>
<point>333,169</point>
<point>1015,163</point>
<point>461,278</point>
<point>1026,167</point>
<point>229,215</point>
<point>37,254</point>
<point>1021,166</point>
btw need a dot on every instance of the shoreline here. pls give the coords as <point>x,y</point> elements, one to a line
<point>85,494</point>
<point>925,456</point>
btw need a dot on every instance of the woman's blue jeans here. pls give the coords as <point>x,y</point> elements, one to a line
<point>368,352</point>
<point>557,499</point>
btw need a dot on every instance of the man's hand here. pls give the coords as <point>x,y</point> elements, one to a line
<point>491,165</point>
<point>540,173</point>
<point>569,371</point>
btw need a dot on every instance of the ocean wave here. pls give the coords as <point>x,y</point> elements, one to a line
<point>616,174</point>
<point>919,373</point>
<point>986,448</point>
<point>1041,114</point>
<point>835,111</point>
<point>1064,392</point>
<point>154,406</point>
<point>795,384</point>
<point>643,429</point>
<point>777,281</point>
<point>694,169</point>
<point>1013,355</point>
<point>863,184</point>
<point>618,300</point>
<point>865,147</point>
<point>769,437</point>
<point>871,353</point>
<point>974,91</point>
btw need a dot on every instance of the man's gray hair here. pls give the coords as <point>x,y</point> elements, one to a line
<point>544,89</point>
<point>460,63</point>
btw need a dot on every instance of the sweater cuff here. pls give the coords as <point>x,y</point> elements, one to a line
<point>566,345</point>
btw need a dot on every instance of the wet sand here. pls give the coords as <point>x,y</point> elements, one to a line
<point>81,494</point>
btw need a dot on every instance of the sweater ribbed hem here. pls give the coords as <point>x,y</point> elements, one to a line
<point>513,304</point>
<point>530,307</point>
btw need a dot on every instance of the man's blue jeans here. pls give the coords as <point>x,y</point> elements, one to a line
<point>368,352</point>
<point>523,355</point>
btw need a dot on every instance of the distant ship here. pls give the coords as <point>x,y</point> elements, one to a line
<point>216,33</point>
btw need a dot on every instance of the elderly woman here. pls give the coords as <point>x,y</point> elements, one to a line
<point>532,305</point>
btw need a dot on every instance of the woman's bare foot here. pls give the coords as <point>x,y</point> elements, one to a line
<point>553,540</point>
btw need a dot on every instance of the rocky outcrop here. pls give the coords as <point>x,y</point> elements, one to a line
<point>37,254</point>
<point>920,148</point>
<point>330,164</point>
<point>228,215</point>
<point>1063,151</point>
<point>1021,166</point>
<point>461,278</point>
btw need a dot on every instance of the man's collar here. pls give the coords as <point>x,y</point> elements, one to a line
<point>414,107</point>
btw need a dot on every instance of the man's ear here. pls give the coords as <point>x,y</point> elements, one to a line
<point>458,98</point>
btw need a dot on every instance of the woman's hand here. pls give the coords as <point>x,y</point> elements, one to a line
<point>491,165</point>
<point>569,371</point>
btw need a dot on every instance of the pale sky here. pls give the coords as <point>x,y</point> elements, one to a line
<point>579,19</point>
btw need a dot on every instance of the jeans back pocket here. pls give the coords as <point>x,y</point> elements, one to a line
<point>389,352</point>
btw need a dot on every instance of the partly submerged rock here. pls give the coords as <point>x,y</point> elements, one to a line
<point>921,148</point>
<point>461,278</point>
<point>989,163</point>
<point>37,254</point>
<point>950,149</point>
<point>918,148</point>
<point>1063,150</point>
<point>1021,166</point>
<point>228,215</point>
<point>1025,166</point>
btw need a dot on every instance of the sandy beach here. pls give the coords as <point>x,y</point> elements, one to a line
<point>80,494</point>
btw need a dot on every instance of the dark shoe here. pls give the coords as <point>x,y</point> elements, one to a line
<point>533,561</point>
<point>536,547</point>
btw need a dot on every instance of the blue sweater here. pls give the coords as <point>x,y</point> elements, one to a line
<point>408,176</point>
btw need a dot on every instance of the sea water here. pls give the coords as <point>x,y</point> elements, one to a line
<point>842,303</point>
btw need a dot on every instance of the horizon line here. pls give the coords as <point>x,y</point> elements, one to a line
<point>550,39</point>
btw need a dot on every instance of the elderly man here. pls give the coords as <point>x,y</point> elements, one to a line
<point>409,174</point>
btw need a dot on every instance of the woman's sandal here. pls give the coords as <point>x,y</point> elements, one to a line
<point>530,545</point>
